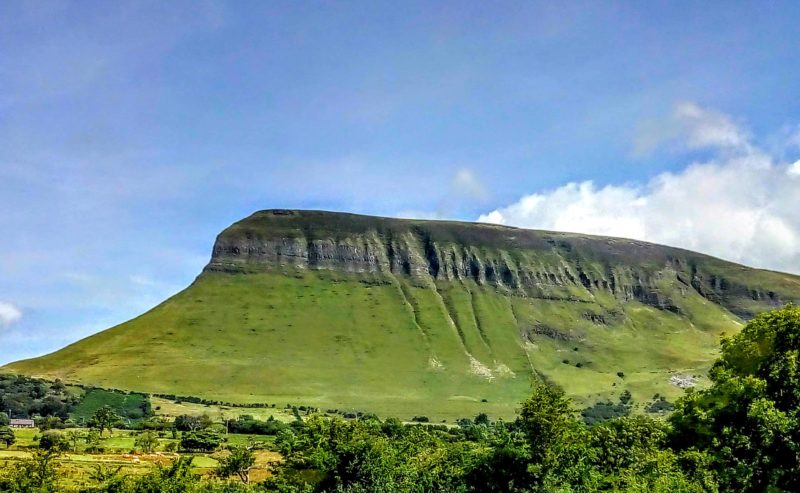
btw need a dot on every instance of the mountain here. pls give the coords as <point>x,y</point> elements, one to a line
<point>411,317</point>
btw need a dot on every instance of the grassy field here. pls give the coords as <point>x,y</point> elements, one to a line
<point>395,349</point>
<point>130,407</point>
<point>119,451</point>
<point>420,344</point>
<point>171,409</point>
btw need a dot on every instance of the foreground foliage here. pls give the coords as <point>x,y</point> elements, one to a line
<point>749,419</point>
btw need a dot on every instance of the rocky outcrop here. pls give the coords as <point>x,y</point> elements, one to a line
<point>521,262</point>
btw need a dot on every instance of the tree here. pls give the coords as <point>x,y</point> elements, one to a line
<point>73,438</point>
<point>558,445</point>
<point>104,419</point>
<point>546,417</point>
<point>4,419</point>
<point>482,419</point>
<point>748,419</point>
<point>147,441</point>
<point>93,442</point>
<point>7,436</point>
<point>54,441</point>
<point>49,423</point>
<point>185,422</point>
<point>239,463</point>
<point>202,441</point>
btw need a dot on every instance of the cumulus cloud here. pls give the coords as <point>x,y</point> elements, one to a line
<point>794,169</point>
<point>9,314</point>
<point>742,205</point>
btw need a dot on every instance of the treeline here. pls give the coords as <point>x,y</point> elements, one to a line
<point>25,397</point>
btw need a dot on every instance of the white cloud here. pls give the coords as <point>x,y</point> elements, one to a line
<point>9,314</point>
<point>703,128</point>
<point>739,206</point>
<point>691,127</point>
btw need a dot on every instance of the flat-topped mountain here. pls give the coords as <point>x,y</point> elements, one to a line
<point>411,317</point>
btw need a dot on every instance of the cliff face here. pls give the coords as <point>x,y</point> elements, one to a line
<point>528,263</point>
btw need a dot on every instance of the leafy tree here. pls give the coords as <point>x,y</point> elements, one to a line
<point>202,441</point>
<point>7,436</point>
<point>73,438</point>
<point>147,441</point>
<point>546,418</point>
<point>4,419</point>
<point>748,420</point>
<point>504,466</point>
<point>49,423</point>
<point>239,463</point>
<point>482,419</point>
<point>104,419</point>
<point>185,422</point>
<point>52,440</point>
<point>93,442</point>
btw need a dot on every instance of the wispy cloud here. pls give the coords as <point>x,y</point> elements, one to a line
<point>691,127</point>
<point>743,204</point>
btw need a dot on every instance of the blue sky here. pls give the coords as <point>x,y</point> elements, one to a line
<point>131,133</point>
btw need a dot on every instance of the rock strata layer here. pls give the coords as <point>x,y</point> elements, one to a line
<point>538,264</point>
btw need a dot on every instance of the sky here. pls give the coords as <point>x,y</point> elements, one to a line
<point>131,133</point>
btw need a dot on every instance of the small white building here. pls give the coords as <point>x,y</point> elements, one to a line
<point>22,423</point>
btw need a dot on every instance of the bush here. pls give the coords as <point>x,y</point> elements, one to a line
<point>200,441</point>
<point>53,441</point>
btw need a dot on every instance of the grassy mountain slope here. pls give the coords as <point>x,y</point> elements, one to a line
<point>422,317</point>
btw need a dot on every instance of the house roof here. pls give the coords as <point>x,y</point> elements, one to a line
<point>21,421</point>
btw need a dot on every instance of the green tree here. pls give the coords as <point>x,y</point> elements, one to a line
<point>7,436</point>
<point>748,419</point>
<point>200,441</point>
<point>52,440</point>
<point>239,463</point>
<point>4,419</point>
<point>49,423</point>
<point>93,442</point>
<point>147,441</point>
<point>73,438</point>
<point>104,419</point>
<point>186,422</point>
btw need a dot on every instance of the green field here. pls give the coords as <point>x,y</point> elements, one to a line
<point>387,321</point>
<point>119,451</point>
<point>130,407</point>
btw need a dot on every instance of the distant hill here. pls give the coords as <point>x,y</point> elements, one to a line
<point>411,317</point>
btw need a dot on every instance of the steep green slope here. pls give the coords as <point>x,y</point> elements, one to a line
<point>422,317</point>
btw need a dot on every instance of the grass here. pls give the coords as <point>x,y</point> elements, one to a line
<point>129,406</point>
<point>401,345</point>
<point>171,409</point>
<point>77,466</point>
<point>344,344</point>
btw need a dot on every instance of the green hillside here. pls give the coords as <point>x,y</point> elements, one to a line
<point>407,318</point>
